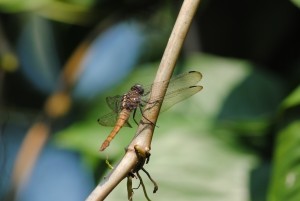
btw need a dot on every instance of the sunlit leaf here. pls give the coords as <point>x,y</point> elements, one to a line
<point>66,12</point>
<point>285,176</point>
<point>292,100</point>
<point>73,12</point>
<point>20,5</point>
<point>296,2</point>
<point>251,105</point>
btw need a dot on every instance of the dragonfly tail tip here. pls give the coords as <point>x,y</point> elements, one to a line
<point>104,145</point>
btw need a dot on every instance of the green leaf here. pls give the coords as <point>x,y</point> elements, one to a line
<point>250,107</point>
<point>74,12</point>
<point>292,100</point>
<point>296,2</point>
<point>285,177</point>
<point>20,5</point>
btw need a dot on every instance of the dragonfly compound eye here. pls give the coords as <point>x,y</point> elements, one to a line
<point>139,88</point>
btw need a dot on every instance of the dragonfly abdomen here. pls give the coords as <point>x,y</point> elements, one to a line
<point>122,119</point>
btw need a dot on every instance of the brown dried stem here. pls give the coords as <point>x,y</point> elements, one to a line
<point>145,131</point>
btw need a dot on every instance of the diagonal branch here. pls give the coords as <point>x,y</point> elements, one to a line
<point>145,131</point>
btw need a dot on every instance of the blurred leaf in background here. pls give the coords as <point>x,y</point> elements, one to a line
<point>296,2</point>
<point>73,12</point>
<point>114,64</point>
<point>38,54</point>
<point>284,185</point>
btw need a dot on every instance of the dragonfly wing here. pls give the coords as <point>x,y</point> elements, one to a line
<point>110,120</point>
<point>178,82</point>
<point>183,80</point>
<point>114,102</point>
<point>179,95</point>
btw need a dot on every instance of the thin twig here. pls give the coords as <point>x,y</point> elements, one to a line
<point>129,188</point>
<point>143,186</point>
<point>152,180</point>
<point>145,131</point>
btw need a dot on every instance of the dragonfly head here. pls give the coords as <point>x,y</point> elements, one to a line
<point>138,88</point>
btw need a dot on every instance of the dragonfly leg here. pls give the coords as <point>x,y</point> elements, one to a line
<point>134,111</point>
<point>143,185</point>
<point>146,117</point>
<point>153,103</point>
<point>145,94</point>
<point>137,186</point>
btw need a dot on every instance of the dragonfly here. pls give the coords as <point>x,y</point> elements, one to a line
<point>179,88</point>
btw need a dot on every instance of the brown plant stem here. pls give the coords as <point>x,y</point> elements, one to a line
<point>145,131</point>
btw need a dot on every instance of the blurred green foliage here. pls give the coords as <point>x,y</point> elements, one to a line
<point>237,139</point>
<point>285,183</point>
<point>74,12</point>
<point>296,2</point>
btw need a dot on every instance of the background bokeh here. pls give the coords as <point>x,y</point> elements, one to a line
<point>236,140</point>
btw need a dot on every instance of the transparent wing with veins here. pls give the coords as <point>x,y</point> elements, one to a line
<point>110,119</point>
<point>180,88</point>
<point>114,102</point>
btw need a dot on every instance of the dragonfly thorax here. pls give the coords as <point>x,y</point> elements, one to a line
<point>138,88</point>
<point>132,99</point>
